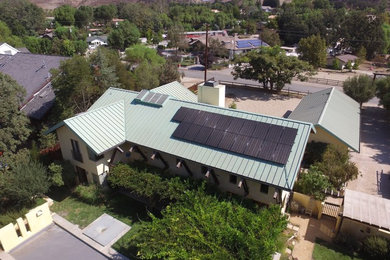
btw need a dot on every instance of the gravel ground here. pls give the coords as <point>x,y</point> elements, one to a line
<point>261,102</point>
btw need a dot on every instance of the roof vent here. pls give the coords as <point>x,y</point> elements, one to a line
<point>211,83</point>
<point>151,98</point>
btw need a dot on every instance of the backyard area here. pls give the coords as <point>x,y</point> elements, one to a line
<point>82,208</point>
<point>327,251</point>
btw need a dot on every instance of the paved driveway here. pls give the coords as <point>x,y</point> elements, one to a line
<point>374,158</point>
<point>55,243</point>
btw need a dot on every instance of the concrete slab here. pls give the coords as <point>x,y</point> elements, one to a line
<point>55,243</point>
<point>105,230</point>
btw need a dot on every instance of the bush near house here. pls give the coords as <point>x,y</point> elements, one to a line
<point>196,223</point>
<point>375,247</point>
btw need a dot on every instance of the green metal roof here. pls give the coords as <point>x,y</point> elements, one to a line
<point>333,111</point>
<point>176,90</point>
<point>151,126</point>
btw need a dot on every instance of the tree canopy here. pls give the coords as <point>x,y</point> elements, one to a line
<point>14,124</point>
<point>271,67</point>
<point>361,88</point>
<point>313,183</point>
<point>313,50</point>
<point>65,15</point>
<point>383,92</point>
<point>124,36</point>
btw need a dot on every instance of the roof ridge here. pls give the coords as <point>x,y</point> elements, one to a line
<point>326,105</point>
<point>96,109</point>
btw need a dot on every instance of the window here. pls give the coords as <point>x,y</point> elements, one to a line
<point>76,151</point>
<point>93,156</point>
<point>233,179</point>
<point>264,188</point>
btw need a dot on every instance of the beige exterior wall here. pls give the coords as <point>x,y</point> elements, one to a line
<point>358,230</point>
<point>323,136</point>
<point>305,201</point>
<point>14,234</point>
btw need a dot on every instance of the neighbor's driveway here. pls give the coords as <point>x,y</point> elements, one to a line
<point>374,156</point>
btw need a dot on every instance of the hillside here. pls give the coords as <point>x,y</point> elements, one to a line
<point>51,4</point>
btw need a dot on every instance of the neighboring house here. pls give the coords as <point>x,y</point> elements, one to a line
<point>365,215</point>
<point>7,49</point>
<point>249,154</point>
<point>96,41</point>
<point>343,60</point>
<point>32,71</point>
<point>234,44</point>
<point>203,33</point>
<point>335,116</point>
<point>290,51</point>
<point>116,21</point>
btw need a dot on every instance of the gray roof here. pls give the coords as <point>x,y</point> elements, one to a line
<point>367,208</point>
<point>346,57</point>
<point>38,106</point>
<point>32,71</point>
<point>103,38</point>
<point>128,121</point>
<point>333,111</point>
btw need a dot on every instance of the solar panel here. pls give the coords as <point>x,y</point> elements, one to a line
<point>142,94</point>
<point>242,136</point>
<point>162,99</point>
<point>243,45</point>
<point>148,97</point>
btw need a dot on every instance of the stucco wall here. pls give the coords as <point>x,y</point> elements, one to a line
<point>101,168</point>
<point>305,201</point>
<point>358,230</point>
<point>323,136</point>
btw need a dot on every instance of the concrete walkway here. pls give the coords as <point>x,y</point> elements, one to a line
<point>77,232</point>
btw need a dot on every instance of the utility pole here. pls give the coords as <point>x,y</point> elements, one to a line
<point>206,53</point>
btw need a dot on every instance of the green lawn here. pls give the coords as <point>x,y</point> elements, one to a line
<point>116,205</point>
<point>326,251</point>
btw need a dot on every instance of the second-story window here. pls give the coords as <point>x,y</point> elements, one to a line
<point>76,151</point>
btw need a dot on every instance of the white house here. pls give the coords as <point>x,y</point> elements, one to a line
<point>7,49</point>
<point>96,41</point>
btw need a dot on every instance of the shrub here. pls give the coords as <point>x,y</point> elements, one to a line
<point>55,175</point>
<point>313,183</point>
<point>233,105</point>
<point>314,152</point>
<point>375,247</point>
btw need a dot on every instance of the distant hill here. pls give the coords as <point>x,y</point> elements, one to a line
<point>52,4</point>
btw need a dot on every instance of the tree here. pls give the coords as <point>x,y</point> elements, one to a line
<point>360,88</point>
<point>83,16</point>
<point>139,53</point>
<point>22,17</point>
<point>203,227</point>
<point>25,182</point>
<point>383,92</point>
<point>65,15</point>
<point>104,70</point>
<point>74,87</point>
<point>313,183</point>
<point>105,13</point>
<point>271,37</point>
<point>272,3</point>
<point>336,166</point>
<point>125,35</point>
<point>271,67</point>
<point>6,36</point>
<point>169,73</point>
<point>147,75</point>
<point>14,129</point>
<point>176,37</point>
<point>313,50</point>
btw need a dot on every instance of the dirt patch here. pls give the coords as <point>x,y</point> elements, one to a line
<point>261,102</point>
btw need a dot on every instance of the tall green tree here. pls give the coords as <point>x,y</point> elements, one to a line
<point>139,53</point>
<point>270,37</point>
<point>105,13</point>
<point>83,16</point>
<point>14,125</point>
<point>124,36</point>
<point>7,36</point>
<point>74,87</point>
<point>360,88</point>
<point>271,67</point>
<point>147,75</point>
<point>169,73</point>
<point>22,16</point>
<point>383,92</point>
<point>65,15</point>
<point>313,183</point>
<point>313,50</point>
<point>104,70</point>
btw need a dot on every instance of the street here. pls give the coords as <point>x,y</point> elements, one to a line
<point>225,75</point>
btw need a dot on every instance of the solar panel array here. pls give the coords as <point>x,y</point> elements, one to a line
<point>249,43</point>
<point>255,139</point>
<point>148,97</point>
